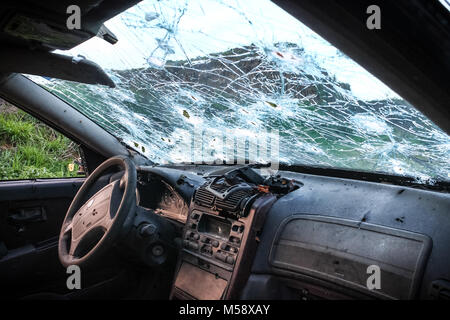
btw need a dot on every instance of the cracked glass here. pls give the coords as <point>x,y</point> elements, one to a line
<point>187,70</point>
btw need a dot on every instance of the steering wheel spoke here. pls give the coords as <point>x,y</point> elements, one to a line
<point>68,228</point>
<point>74,246</point>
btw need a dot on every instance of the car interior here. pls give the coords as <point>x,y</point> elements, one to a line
<point>200,231</point>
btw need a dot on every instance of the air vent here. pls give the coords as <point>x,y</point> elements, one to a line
<point>232,201</point>
<point>203,196</point>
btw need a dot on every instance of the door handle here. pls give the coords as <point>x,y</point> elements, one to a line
<point>23,216</point>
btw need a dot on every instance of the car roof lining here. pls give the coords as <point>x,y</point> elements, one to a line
<point>29,29</point>
<point>53,14</point>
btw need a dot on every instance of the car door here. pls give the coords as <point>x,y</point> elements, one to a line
<point>31,214</point>
<point>38,182</point>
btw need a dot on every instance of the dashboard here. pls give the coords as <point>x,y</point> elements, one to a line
<point>317,240</point>
<point>157,194</point>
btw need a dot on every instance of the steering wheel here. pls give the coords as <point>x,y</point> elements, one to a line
<point>92,226</point>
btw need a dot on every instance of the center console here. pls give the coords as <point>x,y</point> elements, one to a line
<point>220,237</point>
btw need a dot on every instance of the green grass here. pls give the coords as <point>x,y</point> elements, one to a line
<point>30,149</point>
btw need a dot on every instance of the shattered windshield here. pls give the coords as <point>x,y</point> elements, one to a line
<point>207,80</point>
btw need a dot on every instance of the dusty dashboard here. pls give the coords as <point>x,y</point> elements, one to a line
<point>309,248</point>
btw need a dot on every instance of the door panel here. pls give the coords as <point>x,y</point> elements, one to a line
<point>31,214</point>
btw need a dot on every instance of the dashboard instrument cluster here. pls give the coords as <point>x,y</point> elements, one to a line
<point>162,198</point>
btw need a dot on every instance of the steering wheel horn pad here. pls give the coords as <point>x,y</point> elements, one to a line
<point>97,214</point>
